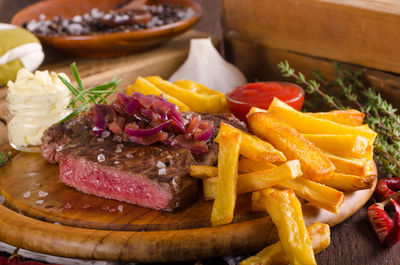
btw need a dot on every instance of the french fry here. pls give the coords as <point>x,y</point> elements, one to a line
<point>253,147</point>
<point>285,211</point>
<point>197,102</point>
<point>203,90</point>
<point>306,123</point>
<point>257,180</point>
<point>203,172</point>
<point>146,88</point>
<point>255,110</point>
<point>259,199</point>
<point>225,198</point>
<point>314,163</point>
<point>247,165</point>
<point>342,145</point>
<point>319,195</point>
<point>210,188</point>
<point>349,117</point>
<point>352,166</point>
<point>348,183</point>
<point>274,254</point>
<point>369,153</point>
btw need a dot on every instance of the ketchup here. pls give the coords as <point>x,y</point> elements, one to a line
<point>261,94</point>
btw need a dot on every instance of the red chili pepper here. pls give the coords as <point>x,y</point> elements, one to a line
<point>15,259</point>
<point>3,261</point>
<point>387,230</point>
<point>387,188</point>
<point>32,262</point>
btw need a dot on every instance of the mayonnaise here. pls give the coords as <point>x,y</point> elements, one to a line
<point>35,102</point>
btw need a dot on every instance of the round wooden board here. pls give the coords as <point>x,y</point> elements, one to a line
<point>65,222</point>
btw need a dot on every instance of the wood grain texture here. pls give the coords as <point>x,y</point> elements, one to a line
<point>330,29</point>
<point>165,246</point>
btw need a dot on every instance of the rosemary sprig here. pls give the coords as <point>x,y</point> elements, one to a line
<point>3,159</point>
<point>86,98</point>
<point>351,92</point>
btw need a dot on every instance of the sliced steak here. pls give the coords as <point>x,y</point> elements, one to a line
<point>150,176</point>
<point>154,176</point>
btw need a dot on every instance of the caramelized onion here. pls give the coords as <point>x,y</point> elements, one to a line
<point>197,147</point>
<point>145,101</point>
<point>99,124</point>
<point>149,119</point>
<point>158,137</point>
<point>146,132</point>
<point>205,132</point>
<point>115,128</point>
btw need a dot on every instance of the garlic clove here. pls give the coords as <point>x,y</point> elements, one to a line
<point>206,66</point>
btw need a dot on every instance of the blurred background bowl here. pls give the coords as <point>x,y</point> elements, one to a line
<point>104,44</point>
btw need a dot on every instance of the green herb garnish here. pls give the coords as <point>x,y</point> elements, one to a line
<point>86,98</point>
<point>348,90</point>
<point>3,159</point>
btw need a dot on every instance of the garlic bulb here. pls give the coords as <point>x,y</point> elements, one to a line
<point>206,66</point>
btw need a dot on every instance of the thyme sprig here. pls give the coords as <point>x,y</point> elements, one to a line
<point>347,90</point>
<point>86,98</point>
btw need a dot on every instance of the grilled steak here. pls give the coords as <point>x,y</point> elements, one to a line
<point>154,176</point>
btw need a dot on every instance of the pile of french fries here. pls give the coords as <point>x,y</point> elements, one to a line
<point>186,94</point>
<point>316,156</point>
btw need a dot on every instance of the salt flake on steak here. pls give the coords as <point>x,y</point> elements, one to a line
<point>101,158</point>
<point>160,164</point>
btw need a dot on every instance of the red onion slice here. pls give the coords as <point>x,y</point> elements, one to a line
<point>99,123</point>
<point>145,101</point>
<point>197,147</point>
<point>132,106</point>
<point>171,110</point>
<point>193,125</point>
<point>162,106</point>
<point>205,132</point>
<point>146,132</point>
<point>158,137</point>
<point>114,127</point>
<point>128,115</point>
<point>122,99</point>
<point>149,114</point>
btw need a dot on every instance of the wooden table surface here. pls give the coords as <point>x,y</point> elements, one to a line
<point>352,242</point>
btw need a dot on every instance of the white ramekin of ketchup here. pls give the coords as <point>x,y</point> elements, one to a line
<point>261,94</point>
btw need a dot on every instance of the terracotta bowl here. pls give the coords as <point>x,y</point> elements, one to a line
<point>109,44</point>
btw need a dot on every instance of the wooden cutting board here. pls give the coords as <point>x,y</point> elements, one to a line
<point>72,224</point>
<point>44,215</point>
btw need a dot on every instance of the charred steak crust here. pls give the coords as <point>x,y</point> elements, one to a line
<point>155,176</point>
<point>211,157</point>
<point>59,135</point>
